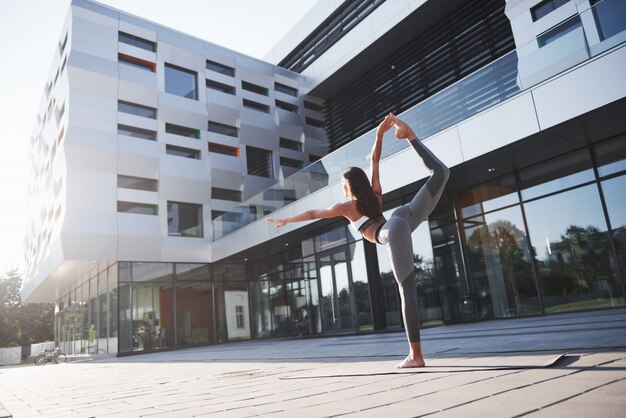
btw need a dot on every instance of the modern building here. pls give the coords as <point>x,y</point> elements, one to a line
<point>157,155</point>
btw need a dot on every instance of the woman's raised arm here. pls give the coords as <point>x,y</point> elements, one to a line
<point>332,212</point>
<point>384,126</point>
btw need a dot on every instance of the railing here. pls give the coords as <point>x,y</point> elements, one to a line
<point>602,24</point>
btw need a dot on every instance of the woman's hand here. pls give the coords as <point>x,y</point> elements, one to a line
<point>386,124</point>
<point>277,222</point>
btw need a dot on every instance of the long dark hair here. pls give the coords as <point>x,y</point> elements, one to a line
<point>366,200</point>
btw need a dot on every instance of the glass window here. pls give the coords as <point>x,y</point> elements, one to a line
<point>142,43</point>
<point>249,104</point>
<point>559,31</point>
<point>609,15</point>
<point>194,154</point>
<point>181,82</point>
<point>569,240</point>
<point>360,284</point>
<point>614,191</point>
<point>611,156</point>
<point>292,91</point>
<point>500,265</point>
<point>152,316</point>
<point>290,162</point>
<point>184,219</point>
<point>255,88</point>
<point>260,307</point>
<point>220,128</point>
<point>259,162</point>
<point>226,194</point>
<point>488,196</point>
<point>290,144</point>
<point>557,174</point>
<point>198,272</point>
<point>152,272</point>
<point>136,132</point>
<point>170,128</point>
<point>136,62</point>
<point>286,106</point>
<point>136,109</point>
<point>314,122</point>
<point>194,313</point>
<point>223,149</point>
<point>125,340</point>
<point>137,208</point>
<point>137,183</point>
<point>545,7</point>
<point>220,68</point>
<point>313,106</point>
<point>224,88</point>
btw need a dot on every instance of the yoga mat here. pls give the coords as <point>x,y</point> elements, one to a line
<point>437,365</point>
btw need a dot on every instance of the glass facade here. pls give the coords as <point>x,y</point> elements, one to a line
<point>544,239</point>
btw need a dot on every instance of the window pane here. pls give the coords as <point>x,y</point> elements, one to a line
<point>226,194</point>
<point>224,88</point>
<point>615,197</point>
<point>194,313</point>
<point>557,174</point>
<point>500,265</point>
<point>198,272</point>
<point>137,183</point>
<point>223,149</point>
<point>569,239</point>
<point>136,109</point>
<point>360,284</point>
<point>170,128</point>
<point>611,156</point>
<point>290,144</point>
<point>136,132</point>
<point>184,219</point>
<point>137,208</point>
<point>152,325</point>
<point>488,196</point>
<point>259,162</point>
<point>256,106</point>
<point>152,272</point>
<point>610,17</point>
<point>255,88</point>
<point>222,129</point>
<point>181,82</point>
<point>559,31</point>
<point>286,89</point>
<point>220,68</point>
<point>182,152</point>
<point>129,39</point>
<point>286,106</point>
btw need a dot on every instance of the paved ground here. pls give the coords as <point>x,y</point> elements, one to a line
<point>351,375</point>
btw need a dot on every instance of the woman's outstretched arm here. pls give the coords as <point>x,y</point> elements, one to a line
<point>384,126</point>
<point>332,212</point>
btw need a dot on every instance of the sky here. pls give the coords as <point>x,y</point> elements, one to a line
<point>29,34</point>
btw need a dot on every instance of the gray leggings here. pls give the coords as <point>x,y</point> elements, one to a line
<point>395,235</point>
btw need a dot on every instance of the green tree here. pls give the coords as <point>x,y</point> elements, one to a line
<point>22,324</point>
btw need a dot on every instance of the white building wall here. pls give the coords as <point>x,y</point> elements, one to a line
<point>75,195</point>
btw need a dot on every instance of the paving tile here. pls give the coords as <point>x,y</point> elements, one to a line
<point>574,408</point>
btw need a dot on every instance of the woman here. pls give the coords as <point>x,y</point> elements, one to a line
<point>364,211</point>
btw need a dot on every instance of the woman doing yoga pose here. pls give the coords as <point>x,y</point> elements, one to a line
<point>364,211</point>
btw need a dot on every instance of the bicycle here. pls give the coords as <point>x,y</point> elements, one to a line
<point>55,356</point>
<point>92,350</point>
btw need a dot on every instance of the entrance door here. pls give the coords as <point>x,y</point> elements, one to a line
<point>336,292</point>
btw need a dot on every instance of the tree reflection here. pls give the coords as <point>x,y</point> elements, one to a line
<point>501,270</point>
<point>577,268</point>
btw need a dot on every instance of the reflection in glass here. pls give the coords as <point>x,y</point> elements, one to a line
<point>194,314</point>
<point>260,305</point>
<point>427,288</point>
<point>124,300</point>
<point>488,196</point>
<point>330,316</point>
<point>152,272</point>
<point>572,251</point>
<point>614,191</point>
<point>500,265</point>
<point>153,316</point>
<point>557,174</point>
<point>342,286</point>
<point>360,284</point>
<point>609,16</point>
<point>611,155</point>
<point>181,82</point>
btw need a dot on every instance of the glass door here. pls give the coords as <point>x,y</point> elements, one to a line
<point>336,292</point>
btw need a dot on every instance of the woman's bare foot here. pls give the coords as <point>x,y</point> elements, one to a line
<point>409,362</point>
<point>403,131</point>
